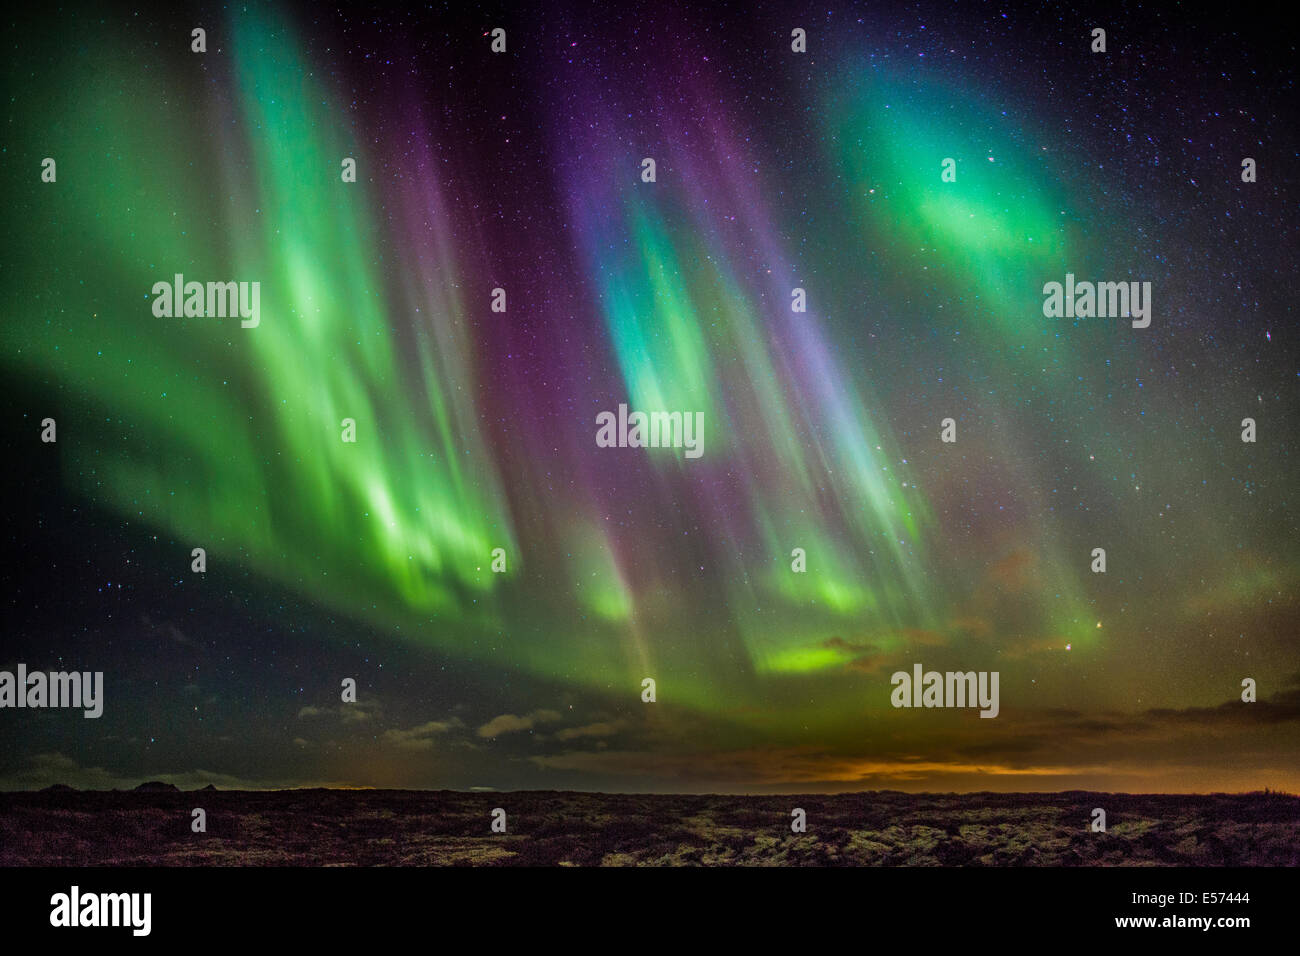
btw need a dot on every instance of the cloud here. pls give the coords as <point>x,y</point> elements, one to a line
<point>1049,749</point>
<point>838,643</point>
<point>601,728</point>
<point>790,766</point>
<point>870,663</point>
<point>510,724</point>
<point>870,657</point>
<point>355,713</point>
<point>170,632</point>
<point>1014,572</point>
<point>421,737</point>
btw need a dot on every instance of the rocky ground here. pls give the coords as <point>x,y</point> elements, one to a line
<point>152,826</point>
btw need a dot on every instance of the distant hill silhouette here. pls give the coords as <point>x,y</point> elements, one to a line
<point>154,786</point>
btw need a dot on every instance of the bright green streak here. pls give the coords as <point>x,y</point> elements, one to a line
<point>230,438</point>
<point>994,232</point>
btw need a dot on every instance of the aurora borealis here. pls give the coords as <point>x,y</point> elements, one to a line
<point>775,171</point>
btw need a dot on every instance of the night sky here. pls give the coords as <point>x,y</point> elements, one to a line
<point>476,429</point>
